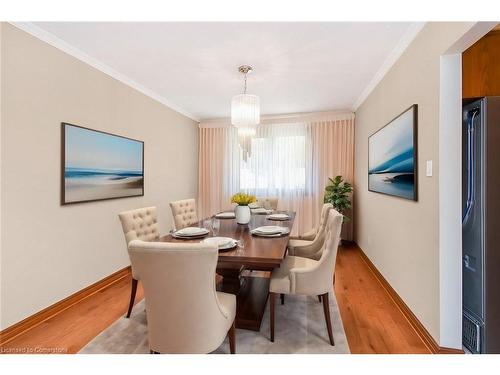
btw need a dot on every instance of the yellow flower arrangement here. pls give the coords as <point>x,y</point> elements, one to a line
<point>243,199</point>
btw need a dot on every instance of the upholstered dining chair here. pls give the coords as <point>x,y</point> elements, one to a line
<point>185,313</point>
<point>184,213</point>
<point>269,203</point>
<point>141,224</point>
<point>310,244</point>
<point>297,275</point>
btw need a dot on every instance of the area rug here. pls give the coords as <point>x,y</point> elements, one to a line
<point>300,328</point>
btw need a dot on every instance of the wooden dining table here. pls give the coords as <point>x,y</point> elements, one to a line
<point>239,267</point>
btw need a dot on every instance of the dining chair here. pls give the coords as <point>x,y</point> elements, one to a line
<point>141,224</point>
<point>184,213</point>
<point>304,276</point>
<point>269,203</point>
<point>185,313</point>
<point>310,245</point>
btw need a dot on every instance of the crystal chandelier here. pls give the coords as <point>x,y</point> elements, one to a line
<point>245,114</point>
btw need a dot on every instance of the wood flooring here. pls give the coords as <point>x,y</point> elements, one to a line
<point>372,321</point>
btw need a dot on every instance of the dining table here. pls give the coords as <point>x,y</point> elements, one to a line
<point>245,269</point>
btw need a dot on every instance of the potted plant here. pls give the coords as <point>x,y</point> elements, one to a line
<point>242,211</point>
<point>337,192</point>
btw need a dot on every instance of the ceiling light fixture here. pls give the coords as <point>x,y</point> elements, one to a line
<point>245,114</point>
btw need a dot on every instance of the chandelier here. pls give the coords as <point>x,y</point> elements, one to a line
<point>245,114</point>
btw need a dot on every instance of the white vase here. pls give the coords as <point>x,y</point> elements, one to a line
<point>242,214</point>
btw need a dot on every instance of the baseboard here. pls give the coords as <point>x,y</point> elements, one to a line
<point>32,321</point>
<point>419,328</point>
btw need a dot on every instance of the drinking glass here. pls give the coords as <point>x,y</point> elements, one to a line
<point>215,227</point>
<point>240,246</point>
<point>207,224</point>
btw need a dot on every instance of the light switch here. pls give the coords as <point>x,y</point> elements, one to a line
<point>428,168</point>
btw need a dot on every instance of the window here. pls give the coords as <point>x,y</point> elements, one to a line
<point>276,164</point>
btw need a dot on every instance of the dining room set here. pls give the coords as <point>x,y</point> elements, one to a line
<point>207,277</point>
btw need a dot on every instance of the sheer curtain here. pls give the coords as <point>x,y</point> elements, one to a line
<point>291,158</point>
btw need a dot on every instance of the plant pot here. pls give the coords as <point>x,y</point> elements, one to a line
<point>243,214</point>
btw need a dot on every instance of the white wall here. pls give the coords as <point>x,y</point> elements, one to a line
<point>402,237</point>
<point>50,251</point>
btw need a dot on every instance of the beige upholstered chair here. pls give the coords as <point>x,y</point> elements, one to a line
<point>185,314</point>
<point>141,224</point>
<point>184,213</point>
<point>297,275</point>
<point>269,203</point>
<point>310,244</point>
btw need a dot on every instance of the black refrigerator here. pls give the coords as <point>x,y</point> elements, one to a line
<point>481,225</point>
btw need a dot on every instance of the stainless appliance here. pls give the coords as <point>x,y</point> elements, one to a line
<point>481,225</point>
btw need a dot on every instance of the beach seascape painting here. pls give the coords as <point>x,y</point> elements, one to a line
<point>97,165</point>
<point>392,157</point>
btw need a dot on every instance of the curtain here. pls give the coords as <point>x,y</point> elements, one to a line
<point>332,155</point>
<point>290,159</point>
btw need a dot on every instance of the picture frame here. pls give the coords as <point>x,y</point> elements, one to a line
<point>97,165</point>
<point>393,156</point>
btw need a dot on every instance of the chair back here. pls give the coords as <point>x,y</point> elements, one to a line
<point>140,224</point>
<point>315,248</point>
<point>269,203</point>
<point>184,213</point>
<point>328,258</point>
<point>183,312</point>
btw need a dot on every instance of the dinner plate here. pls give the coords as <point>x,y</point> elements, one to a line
<point>219,241</point>
<point>261,211</point>
<point>223,243</point>
<point>279,217</point>
<point>269,229</point>
<point>191,231</point>
<point>225,215</point>
<point>175,235</point>
<point>285,231</point>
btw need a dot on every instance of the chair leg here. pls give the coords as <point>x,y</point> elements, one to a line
<point>132,297</point>
<point>282,296</point>
<point>326,309</point>
<point>271,310</point>
<point>319,298</point>
<point>232,339</point>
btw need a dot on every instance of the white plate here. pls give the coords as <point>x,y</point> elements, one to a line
<point>279,216</point>
<point>261,211</point>
<point>279,234</point>
<point>191,231</point>
<point>253,205</point>
<point>226,215</point>
<point>270,229</point>
<point>221,242</point>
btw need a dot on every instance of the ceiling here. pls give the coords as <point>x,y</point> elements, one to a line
<point>298,67</point>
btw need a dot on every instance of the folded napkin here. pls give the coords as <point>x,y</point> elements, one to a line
<point>219,241</point>
<point>261,211</point>
<point>270,231</point>
<point>191,231</point>
<point>279,216</point>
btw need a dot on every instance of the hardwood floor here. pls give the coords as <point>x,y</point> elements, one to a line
<point>372,321</point>
<point>73,328</point>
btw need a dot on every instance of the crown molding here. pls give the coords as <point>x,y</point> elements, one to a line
<point>60,44</point>
<point>390,60</point>
<point>289,118</point>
